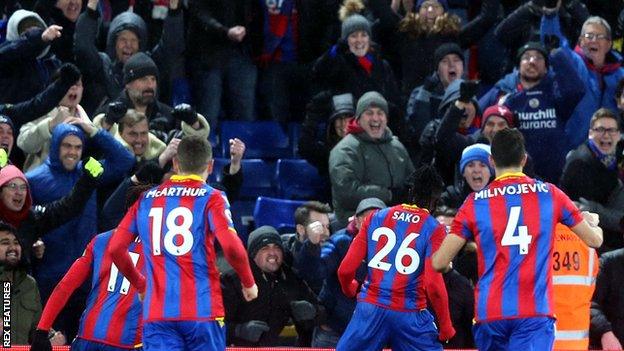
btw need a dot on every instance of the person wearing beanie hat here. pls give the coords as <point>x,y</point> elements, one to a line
<point>261,237</point>
<point>475,166</point>
<point>356,31</point>
<point>369,100</point>
<point>355,23</point>
<point>141,80</point>
<point>354,163</point>
<point>282,296</point>
<point>495,118</point>
<point>127,34</point>
<point>535,46</point>
<point>449,60</point>
<point>138,66</point>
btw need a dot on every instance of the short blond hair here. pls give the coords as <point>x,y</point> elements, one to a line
<point>132,118</point>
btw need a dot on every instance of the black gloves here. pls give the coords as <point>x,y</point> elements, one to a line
<point>116,111</point>
<point>468,90</point>
<point>149,173</point>
<point>302,310</point>
<point>185,113</point>
<point>251,331</point>
<point>431,82</point>
<point>40,341</point>
<point>69,74</point>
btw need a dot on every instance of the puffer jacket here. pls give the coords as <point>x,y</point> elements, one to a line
<point>51,181</point>
<point>361,167</point>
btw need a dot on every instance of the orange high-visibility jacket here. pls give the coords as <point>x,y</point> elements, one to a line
<point>575,266</point>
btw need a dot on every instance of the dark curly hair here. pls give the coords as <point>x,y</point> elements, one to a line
<point>425,185</point>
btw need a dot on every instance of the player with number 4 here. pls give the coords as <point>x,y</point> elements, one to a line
<point>177,223</point>
<point>512,221</point>
<point>397,243</point>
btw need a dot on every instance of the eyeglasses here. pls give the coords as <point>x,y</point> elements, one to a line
<point>15,187</point>
<point>527,58</point>
<point>603,130</point>
<point>594,36</point>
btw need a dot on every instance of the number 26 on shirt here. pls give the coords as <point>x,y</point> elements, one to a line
<point>404,250</point>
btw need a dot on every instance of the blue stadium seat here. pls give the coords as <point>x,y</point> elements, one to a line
<point>278,213</point>
<point>294,131</point>
<point>217,173</point>
<point>263,139</point>
<point>298,179</point>
<point>242,216</point>
<point>257,178</point>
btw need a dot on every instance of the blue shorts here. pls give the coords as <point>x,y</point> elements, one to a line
<point>184,335</point>
<point>373,328</point>
<point>526,334</point>
<point>80,344</point>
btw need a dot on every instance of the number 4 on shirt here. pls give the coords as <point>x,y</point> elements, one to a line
<point>523,239</point>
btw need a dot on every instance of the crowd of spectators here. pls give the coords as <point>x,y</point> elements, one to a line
<point>377,88</point>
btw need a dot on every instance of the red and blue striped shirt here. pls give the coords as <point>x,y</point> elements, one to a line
<point>512,221</point>
<point>397,243</point>
<point>177,223</point>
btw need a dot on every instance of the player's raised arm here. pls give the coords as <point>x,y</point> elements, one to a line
<point>448,250</point>
<point>232,246</point>
<point>75,276</point>
<point>118,249</point>
<point>588,229</point>
<point>352,260</point>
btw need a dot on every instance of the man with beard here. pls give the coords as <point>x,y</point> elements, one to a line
<point>543,99</point>
<point>140,94</point>
<point>281,296</point>
<point>25,300</point>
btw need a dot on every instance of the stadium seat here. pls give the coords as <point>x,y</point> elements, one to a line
<point>298,179</point>
<point>263,139</point>
<point>242,216</point>
<point>278,213</point>
<point>257,178</point>
<point>217,173</point>
<point>294,131</point>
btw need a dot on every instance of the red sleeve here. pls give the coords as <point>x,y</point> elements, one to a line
<point>75,276</point>
<point>232,246</point>
<point>118,249</point>
<point>436,289</point>
<point>352,260</point>
<point>570,214</point>
<point>461,225</point>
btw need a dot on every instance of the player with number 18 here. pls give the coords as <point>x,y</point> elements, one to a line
<point>178,222</point>
<point>512,221</point>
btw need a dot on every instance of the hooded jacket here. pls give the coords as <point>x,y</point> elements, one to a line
<point>33,222</point>
<point>25,66</point>
<point>102,72</point>
<point>51,180</point>
<point>361,167</point>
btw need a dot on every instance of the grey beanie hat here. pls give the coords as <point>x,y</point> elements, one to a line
<point>371,98</point>
<point>354,23</point>
<point>262,237</point>
<point>369,203</point>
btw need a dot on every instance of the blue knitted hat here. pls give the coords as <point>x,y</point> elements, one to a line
<point>478,152</point>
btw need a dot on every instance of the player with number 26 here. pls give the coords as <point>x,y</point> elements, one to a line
<point>512,221</point>
<point>177,223</point>
<point>397,243</point>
